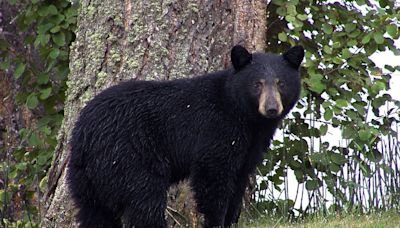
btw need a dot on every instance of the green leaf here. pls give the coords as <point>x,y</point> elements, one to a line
<point>350,27</point>
<point>334,168</point>
<point>55,29</point>
<point>338,159</point>
<point>46,130</point>
<point>378,86</point>
<point>281,11</point>
<point>21,166</point>
<point>34,140</point>
<point>282,36</point>
<point>312,185</point>
<point>52,10</point>
<point>378,37</point>
<point>352,43</point>
<point>43,183</point>
<point>346,53</point>
<point>327,49</point>
<point>59,39</point>
<point>315,83</point>
<point>42,39</point>
<point>42,78</point>
<point>302,17</point>
<point>341,103</point>
<point>290,18</point>
<point>328,114</point>
<point>366,170</point>
<point>348,132</point>
<point>392,30</point>
<point>43,11</point>
<point>4,65</point>
<point>19,70</point>
<point>360,107</point>
<point>32,101</point>
<point>54,53</point>
<point>323,129</point>
<point>327,28</point>
<point>42,28</point>
<point>366,38</point>
<point>45,93</point>
<point>291,9</point>
<point>43,158</point>
<point>364,135</point>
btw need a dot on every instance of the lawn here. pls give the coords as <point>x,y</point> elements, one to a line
<point>385,220</point>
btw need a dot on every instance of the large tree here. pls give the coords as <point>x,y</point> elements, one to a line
<point>146,40</point>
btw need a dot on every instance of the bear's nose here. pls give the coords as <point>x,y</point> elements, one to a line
<point>271,113</point>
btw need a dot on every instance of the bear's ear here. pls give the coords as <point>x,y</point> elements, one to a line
<point>294,56</point>
<point>240,57</point>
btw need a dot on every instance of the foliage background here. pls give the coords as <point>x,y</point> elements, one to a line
<point>343,92</point>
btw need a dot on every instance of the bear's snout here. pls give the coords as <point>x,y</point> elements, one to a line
<point>269,102</point>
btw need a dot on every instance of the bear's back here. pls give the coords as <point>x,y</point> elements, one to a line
<point>151,119</point>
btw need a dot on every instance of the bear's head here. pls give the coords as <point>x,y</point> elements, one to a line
<point>267,85</point>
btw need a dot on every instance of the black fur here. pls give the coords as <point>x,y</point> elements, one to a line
<point>134,140</point>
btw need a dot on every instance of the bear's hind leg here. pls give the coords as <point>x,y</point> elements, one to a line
<point>212,193</point>
<point>91,216</point>
<point>147,203</point>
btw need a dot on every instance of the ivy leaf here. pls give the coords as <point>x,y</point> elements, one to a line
<point>52,10</point>
<point>4,65</point>
<point>54,53</point>
<point>302,17</point>
<point>282,36</point>
<point>341,103</point>
<point>42,28</point>
<point>43,11</point>
<point>378,37</point>
<point>366,38</point>
<point>19,70</point>
<point>323,129</point>
<point>346,53</point>
<point>327,28</point>
<point>316,84</point>
<point>55,29</point>
<point>312,185</point>
<point>392,30</point>
<point>59,39</point>
<point>32,101</point>
<point>42,39</point>
<point>348,132</point>
<point>45,93</point>
<point>328,114</point>
<point>364,135</point>
<point>43,183</point>
<point>338,159</point>
<point>33,140</point>
<point>350,27</point>
<point>42,78</point>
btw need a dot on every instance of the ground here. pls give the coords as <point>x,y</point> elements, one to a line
<point>379,220</point>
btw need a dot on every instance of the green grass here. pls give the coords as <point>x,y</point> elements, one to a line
<point>384,220</point>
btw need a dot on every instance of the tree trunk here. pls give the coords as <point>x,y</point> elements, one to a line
<point>146,40</point>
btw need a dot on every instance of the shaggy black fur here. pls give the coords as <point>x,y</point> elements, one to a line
<point>136,139</point>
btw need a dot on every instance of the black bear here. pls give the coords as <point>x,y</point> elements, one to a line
<point>134,140</point>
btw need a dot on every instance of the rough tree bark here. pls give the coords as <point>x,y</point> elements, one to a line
<point>146,40</point>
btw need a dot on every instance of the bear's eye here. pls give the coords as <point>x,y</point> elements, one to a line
<point>258,86</point>
<point>281,84</point>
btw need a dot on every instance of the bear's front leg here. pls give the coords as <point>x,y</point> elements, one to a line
<point>235,202</point>
<point>212,189</point>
